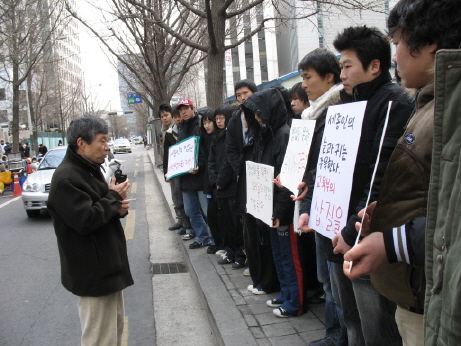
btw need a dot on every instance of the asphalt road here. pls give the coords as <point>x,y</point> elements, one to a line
<point>34,307</point>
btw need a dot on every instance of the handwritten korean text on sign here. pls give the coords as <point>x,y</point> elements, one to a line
<point>182,157</point>
<point>295,160</point>
<point>335,168</point>
<point>260,191</point>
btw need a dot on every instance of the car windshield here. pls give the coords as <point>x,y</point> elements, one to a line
<point>52,159</point>
<point>122,142</point>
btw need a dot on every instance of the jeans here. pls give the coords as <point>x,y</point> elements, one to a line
<point>287,259</point>
<point>193,206</point>
<point>334,323</point>
<point>368,315</point>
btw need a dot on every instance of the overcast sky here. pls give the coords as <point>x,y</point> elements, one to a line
<point>100,75</point>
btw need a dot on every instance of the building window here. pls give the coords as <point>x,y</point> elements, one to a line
<point>2,94</point>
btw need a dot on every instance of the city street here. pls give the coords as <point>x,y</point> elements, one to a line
<point>37,310</point>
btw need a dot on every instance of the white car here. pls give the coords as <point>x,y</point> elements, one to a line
<point>36,187</point>
<point>122,145</point>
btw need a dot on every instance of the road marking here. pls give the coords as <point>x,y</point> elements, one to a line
<point>137,159</point>
<point>129,226</point>
<point>135,173</point>
<point>125,333</point>
<point>134,187</point>
<point>11,201</point>
<point>136,165</point>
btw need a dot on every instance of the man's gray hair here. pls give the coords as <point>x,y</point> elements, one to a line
<point>85,127</point>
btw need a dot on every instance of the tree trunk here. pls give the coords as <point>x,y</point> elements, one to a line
<point>15,123</point>
<point>215,78</point>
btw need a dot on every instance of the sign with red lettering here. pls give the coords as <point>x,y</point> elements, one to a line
<point>335,168</point>
<point>183,156</point>
<point>260,191</point>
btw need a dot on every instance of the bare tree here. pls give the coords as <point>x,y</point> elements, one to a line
<point>26,27</point>
<point>233,21</point>
<point>153,63</point>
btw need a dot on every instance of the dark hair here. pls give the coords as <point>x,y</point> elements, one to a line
<point>424,22</point>
<point>164,107</point>
<point>207,114</point>
<point>286,99</point>
<point>225,110</point>
<point>175,113</point>
<point>297,91</point>
<point>246,83</point>
<point>85,127</point>
<point>368,43</point>
<point>323,62</point>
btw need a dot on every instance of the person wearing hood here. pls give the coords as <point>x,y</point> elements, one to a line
<point>268,108</point>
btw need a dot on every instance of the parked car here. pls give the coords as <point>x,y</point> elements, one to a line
<point>37,185</point>
<point>122,145</point>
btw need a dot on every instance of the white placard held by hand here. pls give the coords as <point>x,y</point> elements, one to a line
<point>260,191</point>
<point>335,168</point>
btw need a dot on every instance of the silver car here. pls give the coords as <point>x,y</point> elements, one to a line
<point>122,145</point>
<point>36,187</point>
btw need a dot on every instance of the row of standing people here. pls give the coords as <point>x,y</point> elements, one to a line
<point>358,311</point>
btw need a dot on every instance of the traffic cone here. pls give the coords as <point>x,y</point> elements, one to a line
<point>17,187</point>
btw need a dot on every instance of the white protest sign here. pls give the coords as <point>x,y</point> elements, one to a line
<point>182,157</point>
<point>260,191</point>
<point>295,160</point>
<point>335,168</point>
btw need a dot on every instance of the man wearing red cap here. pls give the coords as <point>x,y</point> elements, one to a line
<point>192,184</point>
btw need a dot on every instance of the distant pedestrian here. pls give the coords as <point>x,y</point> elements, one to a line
<point>42,150</point>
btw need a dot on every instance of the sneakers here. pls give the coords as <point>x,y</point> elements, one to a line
<point>317,298</point>
<point>220,253</point>
<point>274,303</point>
<point>250,288</point>
<point>247,272</point>
<point>225,260</point>
<point>175,227</point>
<point>281,313</point>
<point>188,236</point>
<point>211,249</point>
<point>195,245</point>
<point>182,231</point>
<point>326,341</point>
<point>237,265</point>
<point>258,290</point>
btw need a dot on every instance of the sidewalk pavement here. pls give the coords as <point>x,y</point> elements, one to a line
<point>237,316</point>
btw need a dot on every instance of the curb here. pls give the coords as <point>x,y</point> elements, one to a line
<point>226,320</point>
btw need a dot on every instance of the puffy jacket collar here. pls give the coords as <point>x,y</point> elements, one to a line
<point>425,95</point>
<point>268,104</point>
<point>364,91</point>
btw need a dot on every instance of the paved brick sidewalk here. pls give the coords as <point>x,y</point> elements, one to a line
<point>237,316</point>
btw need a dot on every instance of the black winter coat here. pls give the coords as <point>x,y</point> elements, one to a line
<point>91,241</point>
<point>220,171</point>
<point>271,143</point>
<point>170,139</point>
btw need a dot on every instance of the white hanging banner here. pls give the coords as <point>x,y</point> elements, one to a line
<point>295,160</point>
<point>335,168</point>
<point>260,191</point>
